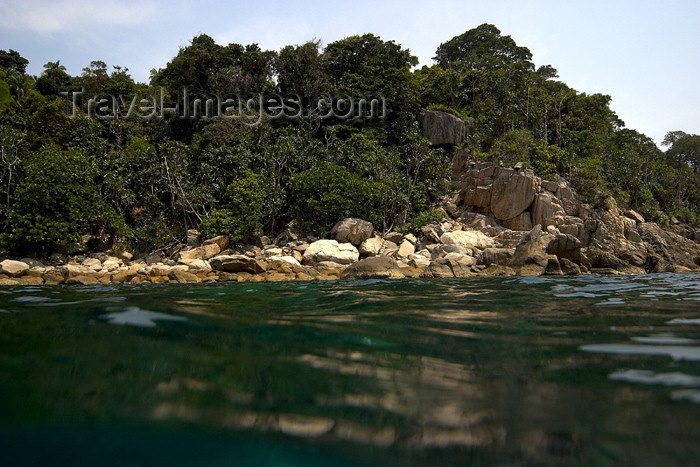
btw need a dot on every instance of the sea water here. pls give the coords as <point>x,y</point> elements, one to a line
<point>588,370</point>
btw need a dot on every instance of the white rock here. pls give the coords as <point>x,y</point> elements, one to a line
<point>200,265</point>
<point>286,259</point>
<point>467,239</point>
<point>13,268</point>
<point>330,250</point>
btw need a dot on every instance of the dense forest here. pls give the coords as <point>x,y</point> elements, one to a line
<point>141,183</point>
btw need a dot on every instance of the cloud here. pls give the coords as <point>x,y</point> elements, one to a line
<point>72,16</point>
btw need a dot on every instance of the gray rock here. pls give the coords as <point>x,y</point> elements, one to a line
<point>442,128</point>
<point>352,230</point>
<point>513,192</point>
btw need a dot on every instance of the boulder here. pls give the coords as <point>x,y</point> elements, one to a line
<point>405,250</point>
<point>479,196</point>
<point>93,263</point>
<point>467,239</point>
<point>183,276</point>
<point>13,268</point>
<point>498,271</point>
<point>125,256</point>
<point>442,128</point>
<point>565,246</point>
<point>553,268</point>
<point>238,263</point>
<point>394,237</point>
<point>418,261</point>
<point>330,250</point>
<point>568,199</point>
<point>512,193</point>
<point>352,230</point>
<point>635,216</point>
<point>443,250</point>
<point>199,265</point>
<point>371,246</point>
<point>569,268</point>
<point>376,267</point>
<point>530,257</point>
<point>460,160</point>
<point>460,264</point>
<point>221,241</point>
<point>432,232</point>
<point>547,210</point>
<point>521,223</point>
<point>499,256</point>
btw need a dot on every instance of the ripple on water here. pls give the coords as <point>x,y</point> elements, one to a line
<point>649,377</point>
<point>676,352</point>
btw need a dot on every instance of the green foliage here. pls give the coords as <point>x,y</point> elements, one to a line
<point>425,217</point>
<point>13,61</point>
<point>325,194</point>
<point>683,149</point>
<point>57,201</point>
<point>243,215</point>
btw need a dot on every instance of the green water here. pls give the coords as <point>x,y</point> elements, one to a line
<point>588,370</point>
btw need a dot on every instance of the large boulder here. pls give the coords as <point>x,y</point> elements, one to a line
<point>442,128</point>
<point>467,239</point>
<point>352,230</point>
<point>513,192</point>
<point>330,250</point>
<point>376,267</point>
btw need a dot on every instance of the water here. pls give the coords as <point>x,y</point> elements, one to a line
<point>587,370</point>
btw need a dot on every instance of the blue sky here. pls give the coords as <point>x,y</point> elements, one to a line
<point>645,54</point>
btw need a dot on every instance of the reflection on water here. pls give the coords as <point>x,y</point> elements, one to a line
<point>585,370</point>
<point>134,316</point>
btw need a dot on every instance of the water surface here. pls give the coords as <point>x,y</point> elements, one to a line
<point>589,370</point>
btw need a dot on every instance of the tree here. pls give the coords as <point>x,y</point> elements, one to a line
<point>483,48</point>
<point>13,61</point>
<point>300,71</point>
<point>370,68</point>
<point>57,201</point>
<point>52,79</point>
<point>683,149</point>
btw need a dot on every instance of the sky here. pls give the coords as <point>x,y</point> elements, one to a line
<point>644,54</point>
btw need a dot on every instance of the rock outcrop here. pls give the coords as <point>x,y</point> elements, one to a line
<point>443,129</point>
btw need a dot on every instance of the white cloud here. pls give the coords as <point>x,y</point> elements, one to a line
<point>72,16</point>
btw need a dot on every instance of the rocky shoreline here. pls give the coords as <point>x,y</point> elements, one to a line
<point>502,222</point>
